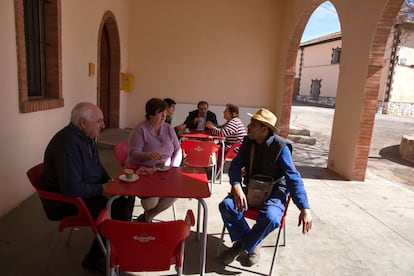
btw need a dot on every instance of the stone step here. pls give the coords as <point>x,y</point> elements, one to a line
<point>301,135</point>
<point>302,139</point>
<point>299,131</point>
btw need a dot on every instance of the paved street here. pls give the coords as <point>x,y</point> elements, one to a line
<point>384,159</point>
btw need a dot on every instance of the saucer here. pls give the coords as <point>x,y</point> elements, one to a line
<point>166,168</point>
<point>134,178</point>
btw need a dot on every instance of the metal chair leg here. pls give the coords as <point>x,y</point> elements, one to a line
<point>284,236</point>
<point>221,240</point>
<point>276,248</point>
<point>174,211</point>
<point>69,236</point>
<point>198,220</point>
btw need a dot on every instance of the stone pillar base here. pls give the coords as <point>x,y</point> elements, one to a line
<point>407,147</point>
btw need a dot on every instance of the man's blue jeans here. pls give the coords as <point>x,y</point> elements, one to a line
<point>266,222</point>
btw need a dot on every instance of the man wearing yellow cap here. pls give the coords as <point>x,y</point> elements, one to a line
<point>271,156</point>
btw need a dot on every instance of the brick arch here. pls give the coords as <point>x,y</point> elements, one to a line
<point>289,75</point>
<point>370,94</point>
<point>109,98</point>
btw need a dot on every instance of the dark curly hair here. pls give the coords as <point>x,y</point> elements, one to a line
<point>154,106</point>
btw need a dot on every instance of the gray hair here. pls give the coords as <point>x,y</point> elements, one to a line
<point>81,110</point>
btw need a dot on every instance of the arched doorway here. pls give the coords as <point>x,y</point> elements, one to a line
<point>109,70</point>
<point>360,152</point>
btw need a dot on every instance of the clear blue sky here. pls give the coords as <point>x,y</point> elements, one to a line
<point>324,20</point>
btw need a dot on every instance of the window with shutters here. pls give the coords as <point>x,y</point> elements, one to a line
<point>336,55</point>
<point>38,37</point>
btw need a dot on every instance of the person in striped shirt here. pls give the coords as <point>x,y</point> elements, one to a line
<point>234,129</point>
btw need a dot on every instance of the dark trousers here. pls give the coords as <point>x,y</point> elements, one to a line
<point>122,209</point>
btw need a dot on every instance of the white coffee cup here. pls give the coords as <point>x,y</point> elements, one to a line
<point>129,173</point>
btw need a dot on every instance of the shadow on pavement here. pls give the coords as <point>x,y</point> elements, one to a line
<point>192,251</point>
<point>317,173</point>
<point>392,153</point>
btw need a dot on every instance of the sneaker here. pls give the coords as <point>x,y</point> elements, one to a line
<point>230,254</point>
<point>97,264</point>
<point>250,259</point>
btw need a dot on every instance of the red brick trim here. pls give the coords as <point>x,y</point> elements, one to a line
<point>54,97</point>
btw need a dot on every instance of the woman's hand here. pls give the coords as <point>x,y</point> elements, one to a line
<point>209,125</point>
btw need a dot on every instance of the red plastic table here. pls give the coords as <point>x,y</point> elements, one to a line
<point>182,182</point>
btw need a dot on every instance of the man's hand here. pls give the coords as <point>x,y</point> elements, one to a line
<point>239,198</point>
<point>181,127</point>
<point>305,218</point>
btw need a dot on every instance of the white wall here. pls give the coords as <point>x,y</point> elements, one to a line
<point>402,88</point>
<point>24,136</point>
<point>219,51</point>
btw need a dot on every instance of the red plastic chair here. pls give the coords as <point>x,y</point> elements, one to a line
<point>201,154</point>
<point>143,246</point>
<point>230,154</point>
<point>121,152</point>
<point>83,218</point>
<point>253,214</point>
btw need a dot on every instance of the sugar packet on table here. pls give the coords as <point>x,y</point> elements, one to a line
<point>145,171</point>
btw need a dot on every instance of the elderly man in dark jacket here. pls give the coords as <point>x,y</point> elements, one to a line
<point>72,167</point>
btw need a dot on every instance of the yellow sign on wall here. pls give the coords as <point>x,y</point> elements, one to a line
<point>127,82</point>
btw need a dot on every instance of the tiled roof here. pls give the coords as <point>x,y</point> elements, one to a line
<point>321,39</point>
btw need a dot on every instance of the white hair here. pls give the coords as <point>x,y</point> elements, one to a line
<point>81,110</point>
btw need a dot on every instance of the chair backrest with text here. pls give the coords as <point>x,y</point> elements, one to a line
<point>231,153</point>
<point>199,153</point>
<point>143,246</point>
<point>121,152</point>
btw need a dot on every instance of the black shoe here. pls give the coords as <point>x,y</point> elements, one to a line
<point>97,264</point>
<point>230,254</point>
<point>250,259</point>
<point>140,218</point>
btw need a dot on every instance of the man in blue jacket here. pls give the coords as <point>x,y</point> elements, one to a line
<point>72,167</point>
<point>262,152</point>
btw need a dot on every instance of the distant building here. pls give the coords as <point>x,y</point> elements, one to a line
<point>396,93</point>
<point>317,71</point>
